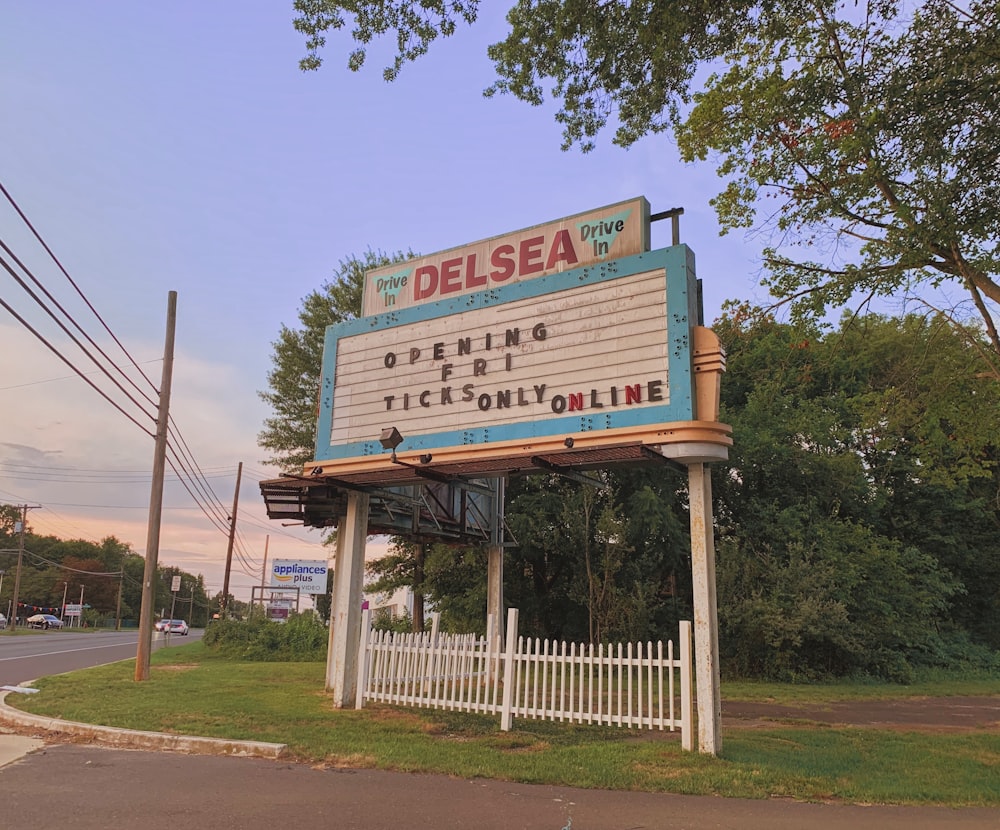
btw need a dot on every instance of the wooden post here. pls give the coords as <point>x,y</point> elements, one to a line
<point>363,638</point>
<point>150,570</point>
<point>687,725</point>
<point>494,567</point>
<point>506,710</point>
<point>706,616</point>
<point>224,611</point>
<point>345,610</point>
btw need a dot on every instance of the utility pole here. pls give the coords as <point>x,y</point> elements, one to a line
<point>118,607</point>
<point>156,499</point>
<point>224,611</point>
<point>20,528</point>
<point>263,572</point>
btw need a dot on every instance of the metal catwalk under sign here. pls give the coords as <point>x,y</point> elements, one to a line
<point>430,502</point>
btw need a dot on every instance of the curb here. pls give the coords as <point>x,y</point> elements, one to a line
<point>137,739</point>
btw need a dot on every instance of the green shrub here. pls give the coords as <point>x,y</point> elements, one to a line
<point>955,652</point>
<point>302,638</point>
<point>385,620</point>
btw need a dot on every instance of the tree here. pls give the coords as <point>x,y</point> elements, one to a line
<point>323,601</point>
<point>54,568</point>
<point>597,565</point>
<point>451,578</point>
<point>235,609</point>
<point>401,567</point>
<point>634,59</point>
<point>877,140</point>
<point>853,528</point>
<point>293,382</point>
<point>10,515</point>
<point>875,135</point>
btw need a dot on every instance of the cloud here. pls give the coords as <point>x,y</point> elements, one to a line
<point>90,468</point>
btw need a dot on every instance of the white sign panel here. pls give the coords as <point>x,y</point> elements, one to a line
<point>589,351</point>
<point>308,575</point>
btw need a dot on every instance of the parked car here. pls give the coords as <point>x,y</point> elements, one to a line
<point>3,622</point>
<point>44,621</point>
<point>176,627</point>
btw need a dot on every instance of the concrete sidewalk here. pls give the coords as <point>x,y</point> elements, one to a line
<point>14,747</point>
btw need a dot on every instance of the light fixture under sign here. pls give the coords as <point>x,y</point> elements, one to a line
<point>390,439</point>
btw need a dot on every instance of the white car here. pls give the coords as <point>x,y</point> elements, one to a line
<point>3,622</point>
<point>44,621</point>
<point>176,627</point>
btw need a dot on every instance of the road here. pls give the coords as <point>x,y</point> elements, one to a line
<point>41,653</point>
<point>93,789</point>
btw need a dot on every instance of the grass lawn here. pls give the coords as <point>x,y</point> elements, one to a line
<point>193,691</point>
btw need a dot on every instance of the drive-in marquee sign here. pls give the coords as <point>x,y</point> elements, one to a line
<point>565,335</point>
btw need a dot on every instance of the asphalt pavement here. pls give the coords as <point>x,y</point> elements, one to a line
<point>91,788</point>
<point>49,772</point>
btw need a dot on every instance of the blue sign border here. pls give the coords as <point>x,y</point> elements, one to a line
<point>677,263</point>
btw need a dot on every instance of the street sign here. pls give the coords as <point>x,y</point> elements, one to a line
<point>175,584</point>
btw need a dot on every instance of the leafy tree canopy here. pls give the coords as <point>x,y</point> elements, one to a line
<point>10,515</point>
<point>55,568</point>
<point>298,357</point>
<point>859,505</point>
<point>876,139</point>
<point>871,124</point>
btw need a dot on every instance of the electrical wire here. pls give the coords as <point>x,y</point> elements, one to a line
<point>65,360</point>
<point>183,462</point>
<point>76,325</point>
<point>41,559</point>
<point>55,259</point>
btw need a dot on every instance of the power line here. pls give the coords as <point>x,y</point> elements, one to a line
<point>219,472</point>
<point>183,462</point>
<point>55,259</point>
<point>52,380</point>
<point>66,360</point>
<point>75,324</point>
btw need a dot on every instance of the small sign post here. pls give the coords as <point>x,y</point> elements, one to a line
<point>175,586</point>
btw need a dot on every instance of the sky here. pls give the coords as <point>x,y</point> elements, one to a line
<point>178,147</point>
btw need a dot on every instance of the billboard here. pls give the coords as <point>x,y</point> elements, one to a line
<point>308,575</point>
<point>587,356</point>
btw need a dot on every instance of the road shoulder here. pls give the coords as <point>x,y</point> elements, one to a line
<point>55,729</point>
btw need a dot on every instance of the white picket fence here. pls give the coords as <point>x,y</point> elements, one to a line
<point>635,685</point>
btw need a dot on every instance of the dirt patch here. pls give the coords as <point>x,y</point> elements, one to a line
<point>923,714</point>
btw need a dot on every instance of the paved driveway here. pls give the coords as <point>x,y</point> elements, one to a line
<point>90,788</point>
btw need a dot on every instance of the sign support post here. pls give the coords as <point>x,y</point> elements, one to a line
<point>494,565</point>
<point>706,614</point>
<point>345,617</point>
<point>709,362</point>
